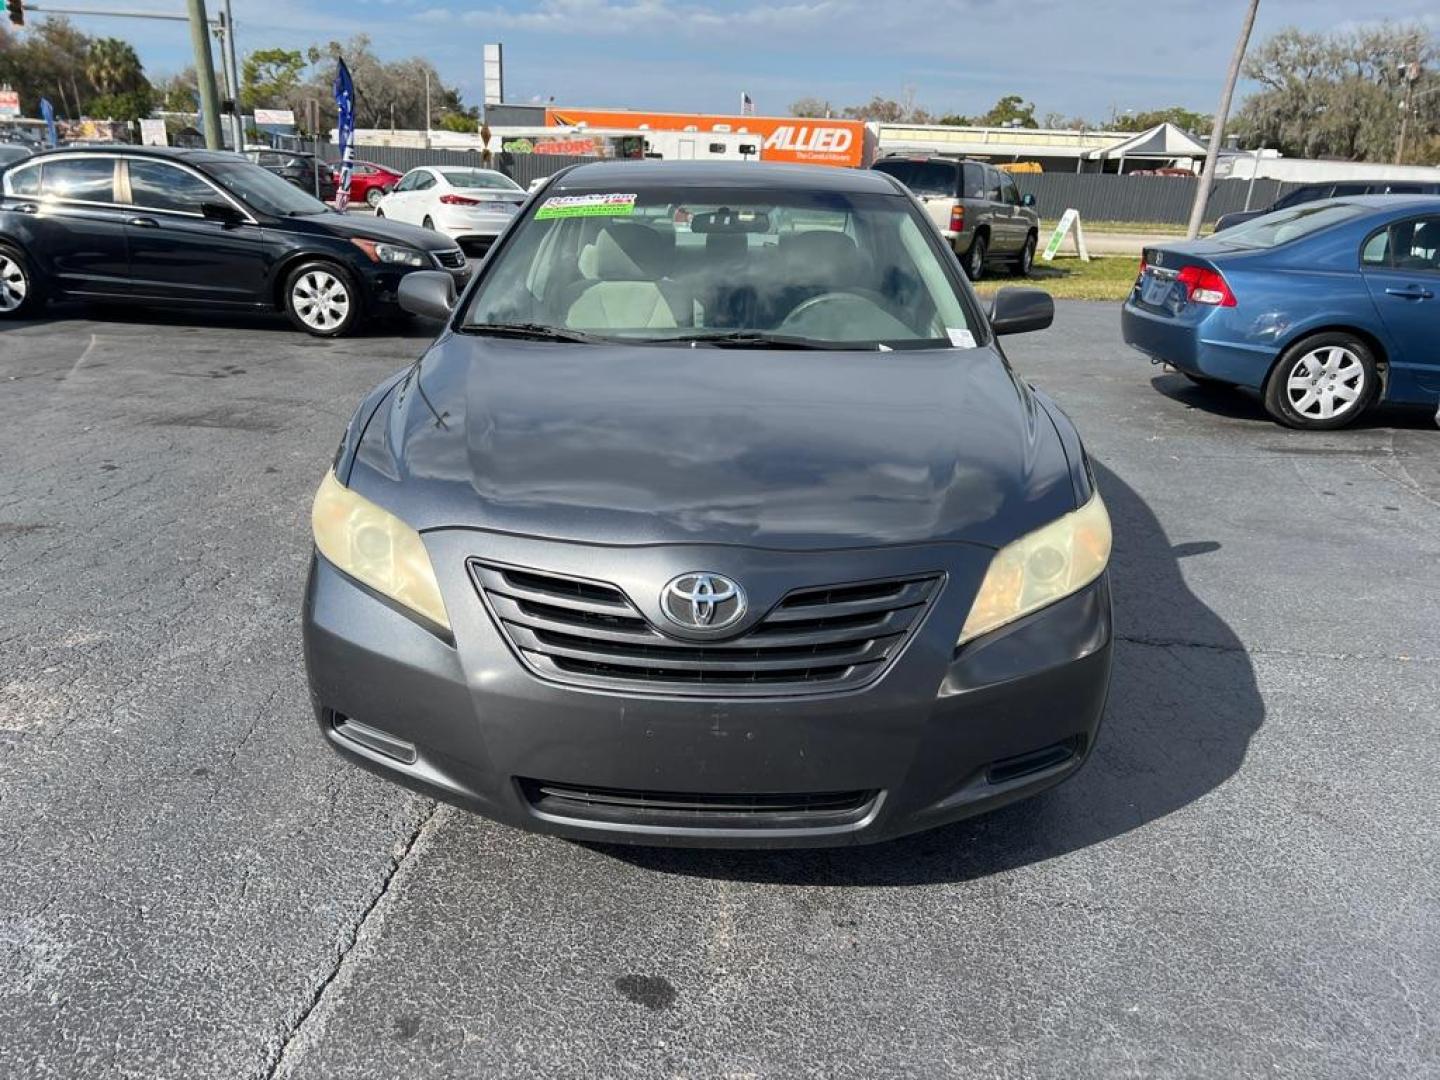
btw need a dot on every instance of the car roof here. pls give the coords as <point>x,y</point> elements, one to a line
<point>747,174</point>
<point>170,153</point>
<point>1384,202</point>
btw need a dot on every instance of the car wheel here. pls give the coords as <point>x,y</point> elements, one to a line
<point>1322,382</point>
<point>1027,257</point>
<point>975,258</point>
<point>428,223</point>
<point>19,292</point>
<point>321,299</point>
<point>373,196</point>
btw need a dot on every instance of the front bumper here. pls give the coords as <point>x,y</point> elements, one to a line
<point>938,737</point>
<point>382,281</point>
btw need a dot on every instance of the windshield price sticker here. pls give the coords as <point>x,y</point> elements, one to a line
<point>611,205</point>
<point>961,339</point>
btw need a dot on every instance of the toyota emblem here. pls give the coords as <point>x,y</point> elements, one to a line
<point>701,600</point>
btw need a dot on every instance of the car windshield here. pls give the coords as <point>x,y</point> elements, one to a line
<point>263,190</point>
<point>465,178</point>
<point>1282,226</point>
<point>729,267</point>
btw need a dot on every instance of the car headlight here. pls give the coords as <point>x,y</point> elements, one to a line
<point>394,254</point>
<point>375,547</point>
<point>1044,566</point>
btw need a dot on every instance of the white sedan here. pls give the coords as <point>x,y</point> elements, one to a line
<point>471,206</point>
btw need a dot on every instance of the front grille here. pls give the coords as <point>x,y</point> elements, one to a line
<point>588,633</point>
<point>453,259</point>
<point>615,806</point>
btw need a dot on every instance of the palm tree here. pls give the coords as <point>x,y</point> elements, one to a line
<point>112,66</point>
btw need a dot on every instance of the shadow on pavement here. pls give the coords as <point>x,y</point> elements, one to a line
<point>1183,708</point>
<point>1236,403</point>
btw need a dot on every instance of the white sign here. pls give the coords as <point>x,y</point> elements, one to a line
<point>1068,220</point>
<point>152,133</point>
<point>275,117</point>
<point>9,102</point>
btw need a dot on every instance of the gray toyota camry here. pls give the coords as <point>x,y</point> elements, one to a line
<point>714,516</point>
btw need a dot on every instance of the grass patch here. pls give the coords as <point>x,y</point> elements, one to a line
<point>1140,228</point>
<point>1067,278</point>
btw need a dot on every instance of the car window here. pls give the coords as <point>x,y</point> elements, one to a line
<point>992,184</point>
<point>1415,245</point>
<point>1342,190</point>
<point>933,178</point>
<point>82,179</point>
<point>263,190</point>
<point>842,270</point>
<point>1400,189</point>
<point>1376,251</point>
<point>158,186</point>
<point>1282,226</point>
<point>467,178</point>
<point>973,186</point>
<point>1308,193</point>
<point>424,181</point>
<point>23,181</point>
<point>1009,190</point>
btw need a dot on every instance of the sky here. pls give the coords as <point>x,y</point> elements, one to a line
<point>1087,58</point>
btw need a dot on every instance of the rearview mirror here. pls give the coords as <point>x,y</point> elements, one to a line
<point>430,293</point>
<point>224,213</point>
<point>1027,199</point>
<point>1018,311</point>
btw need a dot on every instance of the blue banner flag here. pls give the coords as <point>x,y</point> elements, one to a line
<point>47,111</point>
<point>345,129</point>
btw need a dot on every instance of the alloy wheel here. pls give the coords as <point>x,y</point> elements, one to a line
<point>14,286</point>
<point>1325,383</point>
<point>322,300</point>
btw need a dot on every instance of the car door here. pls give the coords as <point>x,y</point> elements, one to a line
<point>73,224</point>
<point>176,251</point>
<point>1017,224</point>
<point>997,213</point>
<point>421,202</point>
<point>1401,265</point>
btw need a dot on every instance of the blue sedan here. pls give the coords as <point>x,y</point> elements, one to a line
<point>1324,308</point>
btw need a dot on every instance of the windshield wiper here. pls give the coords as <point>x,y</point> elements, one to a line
<point>531,331</point>
<point>746,339</point>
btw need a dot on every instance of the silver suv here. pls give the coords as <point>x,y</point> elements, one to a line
<point>976,207</point>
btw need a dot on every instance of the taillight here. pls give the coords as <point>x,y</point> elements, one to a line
<point>957,219</point>
<point>1205,286</point>
<point>458,200</point>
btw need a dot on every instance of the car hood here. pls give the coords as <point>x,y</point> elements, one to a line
<point>371,228</point>
<point>780,449</point>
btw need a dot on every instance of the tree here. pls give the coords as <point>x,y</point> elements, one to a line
<point>1185,119</point>
<point>1340,94</point>
<point>272,78</point>
<point>113,67</point>
<point>179,92</point>
<point>459,121</point>
<point>1060,122</point>
<point>811,108</point>
<point>954,120</point>
<point>1010,111</point>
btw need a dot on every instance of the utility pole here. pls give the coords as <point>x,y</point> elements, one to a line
<point>1217,132</point>
<point>227,22</point>
<point>205,74</point>
<point>1410,73</point>
<point>427,108</point>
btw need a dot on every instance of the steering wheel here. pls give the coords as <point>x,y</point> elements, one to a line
<point>864,306</point>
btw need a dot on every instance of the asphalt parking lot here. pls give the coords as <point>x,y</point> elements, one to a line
<point>1244,881</point>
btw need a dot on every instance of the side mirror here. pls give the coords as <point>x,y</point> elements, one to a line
<point>1027,199</point>
<point>430,293</point>
<point>1018,311</point>
<point>224,213</point>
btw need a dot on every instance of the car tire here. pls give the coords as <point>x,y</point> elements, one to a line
<point>373,197</point>
<point>20,295</point>
<point>322,299</point>
<point>1026,259</point>
<point>428,223</point>
<point>974,261</point>
<point>1322,382</point>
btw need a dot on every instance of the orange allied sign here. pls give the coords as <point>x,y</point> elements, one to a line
<point>799,140</point>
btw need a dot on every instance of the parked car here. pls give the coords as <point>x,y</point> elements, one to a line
<point>706,533</point>
<point>299,169</point>
<point>1325,308</point>
<point>10,153</point>
<point>1340,189</point>
<point>977,208</point>
<point>472,206</point>
<point>154,225</point>
<point>369,182</point>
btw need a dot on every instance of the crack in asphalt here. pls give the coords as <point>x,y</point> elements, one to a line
<point>301,1032</point>
<point>1298,654</point>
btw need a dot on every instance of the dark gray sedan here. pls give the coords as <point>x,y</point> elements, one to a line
<point>714,516</point>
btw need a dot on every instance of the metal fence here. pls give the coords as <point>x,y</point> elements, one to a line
<point>1157,199</point>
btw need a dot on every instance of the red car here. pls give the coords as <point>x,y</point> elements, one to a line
<point>368,181</point>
